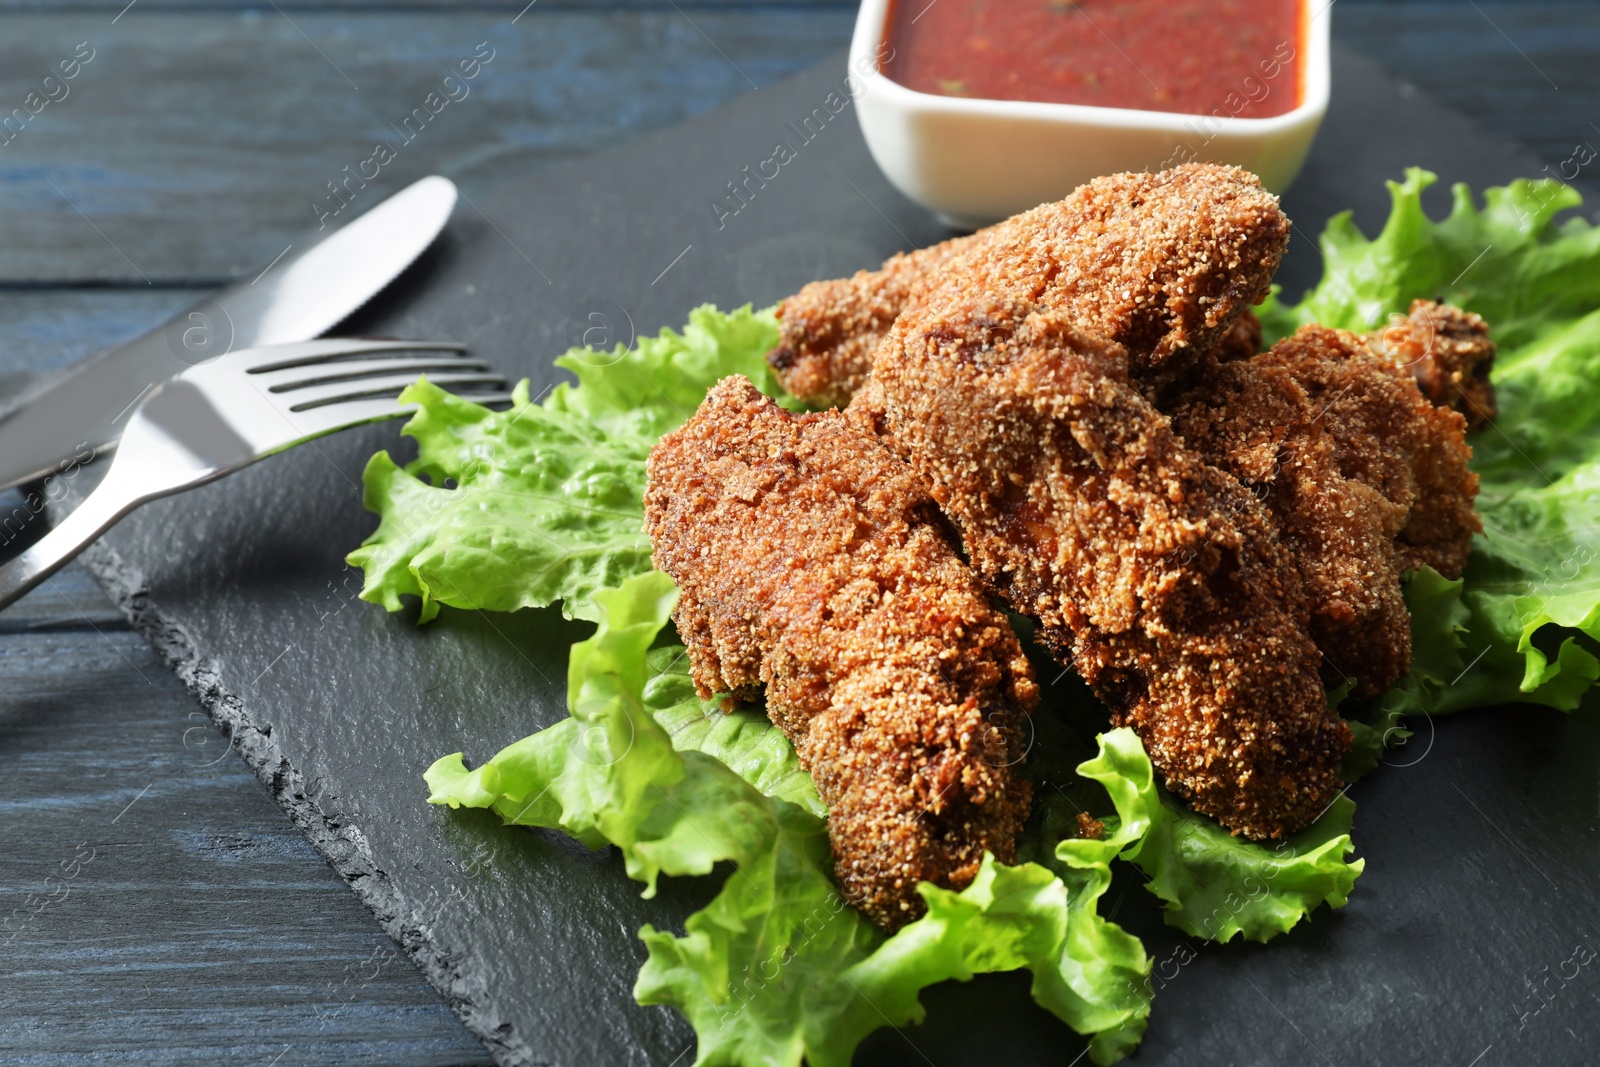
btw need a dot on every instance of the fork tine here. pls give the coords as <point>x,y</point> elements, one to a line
<point>330,418</point>
<point>333,417</point>
<point>301,376</point>
<point>335,392</point>
<point>281,357</point>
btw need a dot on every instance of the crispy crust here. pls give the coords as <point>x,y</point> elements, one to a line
<point>1365,478</point>
<point>1391,437</point>
<point>1255,420</point>
<point>1161,263</point>
<point>811,561</point>
<point>1159,577</point>
<point>1202,571</point>
<point>1449,352</point>
<point>828,330</point>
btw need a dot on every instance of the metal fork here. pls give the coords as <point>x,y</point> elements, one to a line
<point>220,416</point>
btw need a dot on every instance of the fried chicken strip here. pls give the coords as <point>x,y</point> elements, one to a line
<point>1256,420</point>
<point>1162,263</point>
<point>1393,438</point>
<point>829,329</point>
<point>812,562</point>
<point>1449,352</point>
<point>1160,578</point>
<point>1364,476</point>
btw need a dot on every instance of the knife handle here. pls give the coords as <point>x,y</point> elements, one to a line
<point>110,501</point>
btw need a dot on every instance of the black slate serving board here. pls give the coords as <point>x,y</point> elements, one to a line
<point>1481,839</point>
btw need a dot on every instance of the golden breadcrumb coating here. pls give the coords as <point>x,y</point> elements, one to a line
<point>812,561</point>
<point>1159,577</point>
<point>827,330</point>
<point>1392,438</point>
<point>1365,478</point>
<point>1449,352</point>
<point>1162,263</point>
<point>1209,573</point>
<point>1255,420</point>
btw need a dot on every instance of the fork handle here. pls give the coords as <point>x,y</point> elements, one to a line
<point>109,502</point>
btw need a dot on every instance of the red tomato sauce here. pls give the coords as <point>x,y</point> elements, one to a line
<point>1239,58</point>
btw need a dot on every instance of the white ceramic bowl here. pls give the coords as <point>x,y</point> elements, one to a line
<point>978,161</point>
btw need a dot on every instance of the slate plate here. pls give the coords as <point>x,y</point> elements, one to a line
<point>1481,840</point>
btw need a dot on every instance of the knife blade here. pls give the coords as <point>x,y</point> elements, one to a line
<point>312,286</point>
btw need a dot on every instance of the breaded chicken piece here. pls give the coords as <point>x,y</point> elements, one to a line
<point>1255,420</point>
<point>811,561</point>
<point>1365,478</point>
<point>1391,437</point>
<point>1449,352</point>
<point>828,330</point>
<point>1160,578</point>
<point>1162,263</point>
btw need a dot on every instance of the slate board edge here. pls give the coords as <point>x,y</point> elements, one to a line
<point>342,847</point>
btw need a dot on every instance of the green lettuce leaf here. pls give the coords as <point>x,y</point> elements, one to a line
<point>1526,614</point>
<point>741,737</point>
<point>544,502</point>
<point>610,772</point>
<point>777,968</point>
<point>1087,970</point>
<point>774,974</point>
<point>1507,261</point>
<point>1211,884</point>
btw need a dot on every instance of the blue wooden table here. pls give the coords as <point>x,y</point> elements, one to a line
<point>186,919</point>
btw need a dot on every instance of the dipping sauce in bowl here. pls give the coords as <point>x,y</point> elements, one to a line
<point>979,109</point>
<point>1229,58</point>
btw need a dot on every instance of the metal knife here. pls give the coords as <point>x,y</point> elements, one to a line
<point>316,283</point>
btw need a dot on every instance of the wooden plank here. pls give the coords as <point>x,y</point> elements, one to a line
<point>200,145</point>
<point>280,120</point>
<point>69,601</point>
<point>179,913</point>
<point>110,8</point>
<point>50,328</point>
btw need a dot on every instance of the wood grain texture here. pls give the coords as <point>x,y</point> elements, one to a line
<point>155,904</point>
<point>69,602</point>
<point>200,145</point>
<point>123,147</point>
<point>196,140</point>
<point>110,8</point>
<point>50,328</point>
